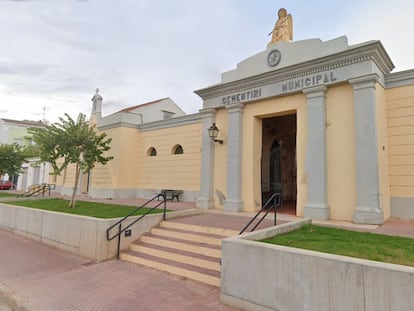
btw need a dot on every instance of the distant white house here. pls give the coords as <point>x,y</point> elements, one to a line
<point>16,132</point>
<point>161,109</point>
<point>33,173</point>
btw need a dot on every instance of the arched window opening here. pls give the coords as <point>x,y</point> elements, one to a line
<point>152,152</point>
<point>177,149</point>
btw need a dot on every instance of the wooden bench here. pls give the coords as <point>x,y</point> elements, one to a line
<point>170,194</point>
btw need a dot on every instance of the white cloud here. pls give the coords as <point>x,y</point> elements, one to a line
<point>55,53</point>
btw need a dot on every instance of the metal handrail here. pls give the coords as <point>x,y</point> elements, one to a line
<point>119,222</point>
<point>38,189</point>
<point>276,199</point>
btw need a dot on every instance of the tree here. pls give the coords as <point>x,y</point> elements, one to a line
<point>72,142</point>
<point>11,159</point>
<point>31,151</point>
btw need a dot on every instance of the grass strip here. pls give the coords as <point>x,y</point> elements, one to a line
<point>378,247</point>
<point>84,208</point>
<point>6,195</point>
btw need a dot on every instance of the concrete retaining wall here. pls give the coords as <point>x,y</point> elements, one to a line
<point>260,276</point>
<point>81,235</point>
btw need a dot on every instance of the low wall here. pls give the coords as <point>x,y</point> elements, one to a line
<point>81,235</point>
<point>261,276</point>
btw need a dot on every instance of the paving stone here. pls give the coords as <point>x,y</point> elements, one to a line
<point>54,280</point>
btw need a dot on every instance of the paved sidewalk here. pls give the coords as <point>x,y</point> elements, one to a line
<point>39,277</point>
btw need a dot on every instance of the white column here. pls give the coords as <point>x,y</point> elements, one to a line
<point>316,206</point>
<point>206,199</point>
<point>234,201</point>
<point>368,209</point>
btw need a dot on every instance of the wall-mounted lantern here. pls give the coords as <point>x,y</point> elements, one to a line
<point>213,133</point>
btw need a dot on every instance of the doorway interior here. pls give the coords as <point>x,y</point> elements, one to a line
<point>278,162</point>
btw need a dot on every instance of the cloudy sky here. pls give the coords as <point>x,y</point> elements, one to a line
<point>55,53</point>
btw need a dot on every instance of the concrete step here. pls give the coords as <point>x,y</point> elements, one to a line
<point>203,275</point>
<point>193,259</point>
<point>200,229</point>
<point>191,251</point>
<point>188,246</point>
<point>189,235</point>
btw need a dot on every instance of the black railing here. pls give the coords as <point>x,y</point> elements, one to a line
<point>271,204</point>
<point>37,190</point>
<point>119,222</point>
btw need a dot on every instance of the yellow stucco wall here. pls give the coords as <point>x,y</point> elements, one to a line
<point>340,152</point>
<point>400,126</point>
<point>117,172</point>
<point>126,143</point>
<point>68,175</point>
<point>102,177</point>
<point>132,168</point>
<point>301,141</point>
<point>167,170</point>
<point>58,180</point>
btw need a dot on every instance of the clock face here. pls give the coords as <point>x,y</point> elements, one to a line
<point>274,58</point>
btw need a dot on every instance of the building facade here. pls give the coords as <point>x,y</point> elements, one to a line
<point>325,123</point>
<point>16,132</point>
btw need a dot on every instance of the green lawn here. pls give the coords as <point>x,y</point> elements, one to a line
<point>93,209</point>
<point>6,195</point>
<point>378,247</point>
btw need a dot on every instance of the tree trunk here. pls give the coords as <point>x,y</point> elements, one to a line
<point>75,187</point>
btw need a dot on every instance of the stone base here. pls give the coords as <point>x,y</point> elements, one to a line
<point>112,193</point>
<point>402,207</point>
<point>233,206</point>
<point>317,211</point>
<point>242,304</point>
<point>368,216</point>
<point>68,191</point>
<point>204,203</point>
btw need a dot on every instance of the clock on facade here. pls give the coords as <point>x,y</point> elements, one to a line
<point>274,58</point>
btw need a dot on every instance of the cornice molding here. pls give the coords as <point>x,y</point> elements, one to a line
<point>398,79</point>
<point>117,125</point>
<point>178,121</point>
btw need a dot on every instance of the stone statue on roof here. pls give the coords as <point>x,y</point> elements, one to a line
<point>97,102</point>
<point>283,30</point>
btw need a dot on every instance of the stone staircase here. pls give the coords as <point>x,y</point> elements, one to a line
<point>190,251</point>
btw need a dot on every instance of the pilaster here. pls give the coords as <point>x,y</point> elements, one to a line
<point>234,202</point>
<point>368,209</point>
<point>316,206</point>
<point>205,199</point>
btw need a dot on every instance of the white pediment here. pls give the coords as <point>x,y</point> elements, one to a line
<point>292,53</point>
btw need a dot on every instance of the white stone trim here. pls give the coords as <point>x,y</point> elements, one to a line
<point>206,196</point>
<point>399,79</point>
<point>234,202</point>
<point>368,210</point>
<point>316,206</point>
